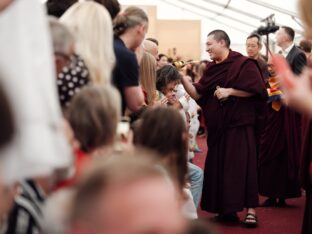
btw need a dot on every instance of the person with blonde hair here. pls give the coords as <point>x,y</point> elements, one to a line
<point>130,28</point>
<point>148,78</point>
<point>94,38</point>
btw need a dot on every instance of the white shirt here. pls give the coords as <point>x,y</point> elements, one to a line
<point>287,50</point>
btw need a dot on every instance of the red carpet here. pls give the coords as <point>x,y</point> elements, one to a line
<point>271,220</point>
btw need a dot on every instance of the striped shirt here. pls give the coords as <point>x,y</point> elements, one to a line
<point>26,215</point>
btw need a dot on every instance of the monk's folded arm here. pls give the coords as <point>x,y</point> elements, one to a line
<point>240,93</point>
<point>190,88</point>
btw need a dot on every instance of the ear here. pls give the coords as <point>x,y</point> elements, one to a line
<point>142,28</point>
<point>222,42</point>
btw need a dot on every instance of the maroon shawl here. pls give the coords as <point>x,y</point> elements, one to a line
<point>238,72</point>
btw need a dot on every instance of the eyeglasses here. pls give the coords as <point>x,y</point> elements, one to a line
<point>63,55</point>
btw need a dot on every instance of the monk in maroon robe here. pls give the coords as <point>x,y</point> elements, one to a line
<point>229,94</point>
<point>306,176</point>
<point>279,151</point>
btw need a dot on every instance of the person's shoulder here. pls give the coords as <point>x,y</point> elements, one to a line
<point>295,51</point>
<point>123,54</point>
<point>240,59</point>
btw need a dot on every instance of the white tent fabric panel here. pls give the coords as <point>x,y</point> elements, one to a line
<point>214,14</point>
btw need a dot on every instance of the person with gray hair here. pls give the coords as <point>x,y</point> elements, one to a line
<point>152,203</point>
<point>72,73</point>
<point>63,42</point>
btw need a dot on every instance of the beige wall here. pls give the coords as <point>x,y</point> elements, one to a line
<point>184,35</point>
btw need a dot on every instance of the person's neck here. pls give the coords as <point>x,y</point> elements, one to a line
<point>224,56</point>
<point>102,151</point>
<point>307,54</point>
<point>286,45</point>
<point>43,183</point>
<point>127,39</point>
<point>256,57</point>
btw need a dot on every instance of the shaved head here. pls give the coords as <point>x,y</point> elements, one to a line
<point>151,48</point>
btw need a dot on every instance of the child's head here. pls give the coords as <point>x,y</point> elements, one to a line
<point>93,116</point>
<point>163,129</point>
<point>167,79</point>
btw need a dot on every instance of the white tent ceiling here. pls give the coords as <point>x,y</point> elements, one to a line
<point>237,17</point>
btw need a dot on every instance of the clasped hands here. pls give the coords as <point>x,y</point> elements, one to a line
<point>222,93</point>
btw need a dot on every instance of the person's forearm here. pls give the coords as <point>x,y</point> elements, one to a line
<point>239,93</point>
<point>190,88</point>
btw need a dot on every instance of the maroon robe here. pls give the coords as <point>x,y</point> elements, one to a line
<point>279,154</point>
<point>230,181</point>
<point>306,176</point>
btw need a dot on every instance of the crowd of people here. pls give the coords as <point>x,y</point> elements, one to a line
<point>99,129</point>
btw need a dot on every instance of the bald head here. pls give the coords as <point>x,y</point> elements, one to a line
<point>151,48</point>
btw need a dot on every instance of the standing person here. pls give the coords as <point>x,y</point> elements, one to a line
<point>93,37</point>
<point>72,73</point>
<point>295,57</point>
<point>227,94</point>
<point>306,46</point>
<point>293,127</point>
<point>130,28</point>
<point>253,48</point>
<point>274,167</point>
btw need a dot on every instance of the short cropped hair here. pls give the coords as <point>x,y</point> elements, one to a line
<point>256,35</point>
<point>153,40</point>
<point>306,45</point>
<point>290,32</point>
<point>219,35</point>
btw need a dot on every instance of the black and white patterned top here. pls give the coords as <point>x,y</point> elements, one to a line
<point>26,214</point>
<point>72,79</point>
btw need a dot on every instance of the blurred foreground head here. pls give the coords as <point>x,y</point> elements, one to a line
<point>125,195</point>
<point>93,115</point>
